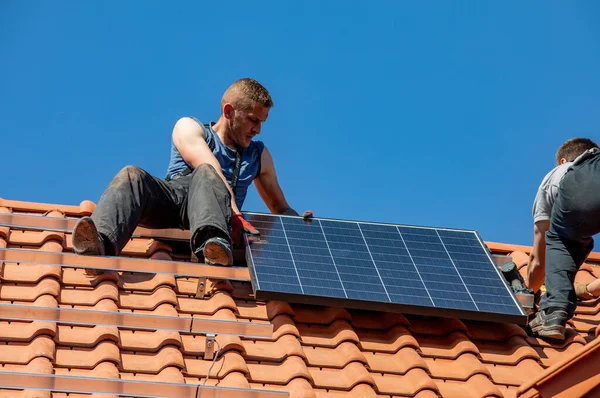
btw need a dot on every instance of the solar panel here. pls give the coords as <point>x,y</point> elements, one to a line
<point>410,269</point>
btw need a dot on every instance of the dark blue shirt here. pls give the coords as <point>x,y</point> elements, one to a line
<point>249,170</point>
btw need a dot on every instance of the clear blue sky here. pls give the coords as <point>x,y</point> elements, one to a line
<point>430,113</point>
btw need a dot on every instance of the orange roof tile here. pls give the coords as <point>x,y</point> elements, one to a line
<point>313,351</point>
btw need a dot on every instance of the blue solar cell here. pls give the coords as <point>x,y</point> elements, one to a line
<point>316,269</point>
<point>354,263</point>
<point>390,265</point>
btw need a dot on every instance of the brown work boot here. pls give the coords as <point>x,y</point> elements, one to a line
<point>87,242</point>
<point>217,251</point>
<point>582,292</point>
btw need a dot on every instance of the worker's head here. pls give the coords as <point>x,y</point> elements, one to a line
<point>245,106</point>
<point>572,148</point>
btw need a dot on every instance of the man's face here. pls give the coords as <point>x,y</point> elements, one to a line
<point>246,124</point>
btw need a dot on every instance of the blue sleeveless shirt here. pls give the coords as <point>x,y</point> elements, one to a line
<point>249,169</point>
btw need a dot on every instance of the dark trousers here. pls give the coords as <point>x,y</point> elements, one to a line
<point>134,197</point>
<point>575,219</point>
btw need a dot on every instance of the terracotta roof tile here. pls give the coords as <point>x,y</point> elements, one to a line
<point>145,247</point>
<point>234,379</point>
<point>279,373</point>
<point>29,273</point>
<point>337,357</point>
<point>230,361</point>
<point>461,368</point>
<point>298,388</point>
<point>189,286</point>
<point>34,238</point>
<point>327,336</point>
<point>88,358</point>
<point>147,301</point>
<point>275,308</point>
<point>515,375</point>
<point>550,355</point>
<point>360,390</point>
<point>145,282</point>
<point>250,310</point>
<point>26,394</point>
<point>85,208</point>
<point>319,315</point>
<point>584,324</point>
<point>276,351</point>
<point>71,395</point>
<point>107,369</point>
<point>427,394</point>
<point>282,325</point>
<point>206,306</point>
<point>314,351</point>
<point>477,386</point>
<point>39,364</point>
<point>87,296</point>
<point>4,231</point>
<point>25,331</point>
<point>29,292</point>
<point>449,347</point>
<point>493,331</point>
<point>509,352</point>
<point>195,344</point>
<point>389,341</point>
<point>401,362</point>
<point>81,336</point>
<point>435,326</point>
<point>23,353</point>
<point>361,319</point>
<point>409,384</point>
<point>142,340</point>
<point>152,362</point>
<point>341,379</point>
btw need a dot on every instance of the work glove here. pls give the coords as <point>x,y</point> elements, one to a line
<point>239,226</point>
<point>307,217</point>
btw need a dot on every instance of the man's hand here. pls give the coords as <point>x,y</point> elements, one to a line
<point>239,225</point>
<point>307,217</point>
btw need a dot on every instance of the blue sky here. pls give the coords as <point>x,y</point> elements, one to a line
<point>429,113</point>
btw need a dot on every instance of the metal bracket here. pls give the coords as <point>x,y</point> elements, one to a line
<point>209,348</point>
<point>201,289</point>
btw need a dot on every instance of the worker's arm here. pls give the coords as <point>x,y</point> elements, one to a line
<point>190,140</point>
<point>536,268</point>
<point>268,188</point>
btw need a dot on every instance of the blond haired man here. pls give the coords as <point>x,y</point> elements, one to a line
<point>210,170</point>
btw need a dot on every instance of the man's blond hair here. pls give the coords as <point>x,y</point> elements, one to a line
<point>246,92</point>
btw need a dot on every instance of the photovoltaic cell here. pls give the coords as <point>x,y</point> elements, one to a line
<point>378,266</point>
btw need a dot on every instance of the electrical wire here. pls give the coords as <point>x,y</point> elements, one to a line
<point>213,362</point>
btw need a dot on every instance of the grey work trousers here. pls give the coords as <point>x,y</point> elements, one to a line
<point>134,197</point>
<point>575,219</point>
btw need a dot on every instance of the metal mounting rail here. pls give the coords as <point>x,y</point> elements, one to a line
<point>66,224</point>
<point>193,325</point>
<point>135,388</point>
<point>25,256</point>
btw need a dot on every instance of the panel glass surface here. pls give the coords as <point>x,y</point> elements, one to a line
<point>379,263</point>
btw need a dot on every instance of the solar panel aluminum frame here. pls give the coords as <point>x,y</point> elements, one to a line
<point>260,294</point>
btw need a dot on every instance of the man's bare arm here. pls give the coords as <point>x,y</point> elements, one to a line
<point>190,140</point>
<point>268,187</point>
<point>536,268</point>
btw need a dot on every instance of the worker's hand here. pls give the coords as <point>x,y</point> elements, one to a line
<point>239,225</point>
<point>307,217</point>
